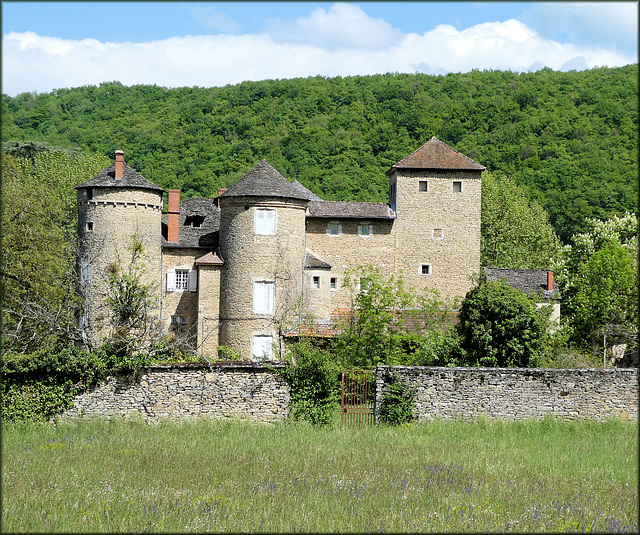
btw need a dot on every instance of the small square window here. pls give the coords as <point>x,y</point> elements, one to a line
<point>438,233</point>
<point>365,229</point>
<point>334,283</point>
<point>334,229</point>
<point>89,226</point>
<point>425,269</point>
<point>423,185</point>
<point>457,187</point>
<point>316,282</point>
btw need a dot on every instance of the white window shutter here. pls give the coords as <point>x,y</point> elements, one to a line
<point>171,280</point>
<point>193,280</point>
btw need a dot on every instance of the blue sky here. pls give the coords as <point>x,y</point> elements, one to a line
<point>49,45</point>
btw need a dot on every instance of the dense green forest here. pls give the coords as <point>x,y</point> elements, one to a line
<point>568,139</point>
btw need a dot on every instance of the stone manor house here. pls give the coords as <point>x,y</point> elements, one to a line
<point>235,270</point>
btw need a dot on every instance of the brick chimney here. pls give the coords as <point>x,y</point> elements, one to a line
<point>550,281</point>
<point>173,223</point>
<point>119,164</point>
<point>220,192</point>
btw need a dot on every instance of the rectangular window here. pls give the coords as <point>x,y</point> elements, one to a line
<point>316,282</point>
<point>89,226</point>
<point>438,233</point>
<point>262,347</point>
<point>457,187</point>
<point>334,229</point>
<point>365,229</point>
<point>179,321</point>
<point>265,221</point>
<point>334,283</point>
<point>264,297</point>
<point>182,279</point>
<point>425,269</point>
<point>423,185</point>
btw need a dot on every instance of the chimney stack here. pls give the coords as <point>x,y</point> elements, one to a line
<point>119,164</point>
<point>220,192</point>
<point>550,281</point>
<point>173,222</point>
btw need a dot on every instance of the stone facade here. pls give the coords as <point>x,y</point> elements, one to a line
<point>158,393</point>
<point>246,268</point>
<point>516,393</point>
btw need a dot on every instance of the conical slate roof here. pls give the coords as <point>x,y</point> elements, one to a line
<point>311,196</point>
<point>264,181</point>
<point>130,179</point>
<point>435,154</point>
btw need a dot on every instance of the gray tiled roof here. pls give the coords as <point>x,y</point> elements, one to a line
<point>357,210</point>
<point>130,179</point>
<point>311,261</point>
<point>529,281</point>
<point>264,181</point>
<point>206,235</point>
<point>435,154</point>
<point>311,196</point>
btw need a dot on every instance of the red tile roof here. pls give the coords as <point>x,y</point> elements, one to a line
<point>435,154</point>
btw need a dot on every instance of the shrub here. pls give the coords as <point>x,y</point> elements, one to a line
<point>397,402</point>
<point>500,327</point>
<point>314,383</point>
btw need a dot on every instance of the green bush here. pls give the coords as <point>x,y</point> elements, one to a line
<point>397,403</point>
<point>501,327</point>
<point>313,376</point>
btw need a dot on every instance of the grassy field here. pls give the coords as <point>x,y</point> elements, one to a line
<point>117,476</point>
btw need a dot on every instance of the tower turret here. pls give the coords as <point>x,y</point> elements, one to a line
<point>116,208</point>
<point>436,193</point>
<point>262,242</point>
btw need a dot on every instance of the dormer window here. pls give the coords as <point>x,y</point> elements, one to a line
<point>194,221</point>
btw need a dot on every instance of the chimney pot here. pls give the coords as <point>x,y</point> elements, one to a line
<point>119,164</point>
<point>220,192</point>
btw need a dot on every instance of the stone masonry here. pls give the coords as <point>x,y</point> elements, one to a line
<point>253,393</point>
<point>517,393</point>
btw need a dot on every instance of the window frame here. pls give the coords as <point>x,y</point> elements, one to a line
<point>264,289</point>
<point>191,280</point>
<point>421,269</point>
<point>333,283</point>
<point>426,186</point>
<point>315,282</point>
<point>365,225</point>
<point>266,355</point>
<point>331,226</point>
<point>457,183</point>
<point>268,226</point>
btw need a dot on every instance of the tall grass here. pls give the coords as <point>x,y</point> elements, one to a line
<point>535,476</point>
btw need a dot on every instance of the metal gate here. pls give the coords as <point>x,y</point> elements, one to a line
<point>358,398</point>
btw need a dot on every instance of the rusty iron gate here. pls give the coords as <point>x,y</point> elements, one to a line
<point>358,398</point>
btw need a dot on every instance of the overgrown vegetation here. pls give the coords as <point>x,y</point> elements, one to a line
<point>232,477</point>
<point>397,404</point>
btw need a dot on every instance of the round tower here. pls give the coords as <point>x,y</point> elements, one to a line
<point>119,232</point>
<point>262,242</point>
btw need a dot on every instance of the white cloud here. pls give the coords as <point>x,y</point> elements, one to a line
<point>212,19</point>
<point>343,26</point>
<point>583,23</point>
<point>342,41</point>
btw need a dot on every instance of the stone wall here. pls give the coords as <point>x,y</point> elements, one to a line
<point>244,391</point>
<point>517,393</point>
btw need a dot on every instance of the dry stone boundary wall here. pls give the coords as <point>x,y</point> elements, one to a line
<point>517,393</point>
<point>253,393</point>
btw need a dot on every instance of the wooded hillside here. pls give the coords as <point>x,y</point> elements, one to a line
<point>570,139</point>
